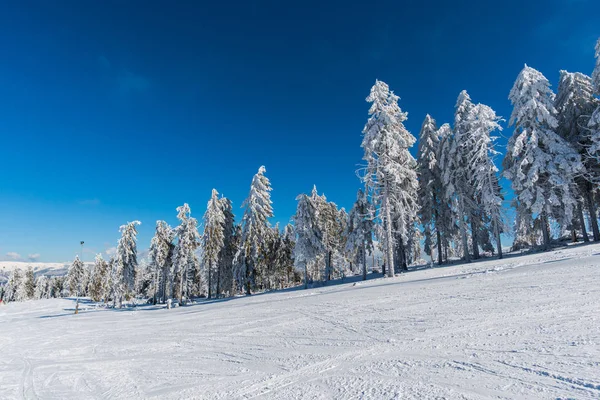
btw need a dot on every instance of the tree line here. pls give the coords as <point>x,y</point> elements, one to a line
<point>447,203</point>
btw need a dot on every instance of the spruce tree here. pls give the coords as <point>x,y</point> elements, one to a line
<point>255,228</point>
<point>213,240</point>
<point>540,164</point>
<point>390,166</point>
<point>309,238</point>
<point>185,261</point>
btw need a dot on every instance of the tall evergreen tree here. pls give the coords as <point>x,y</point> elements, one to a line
<point>227,254</point>
<point>390,166</point>
<point>75,279</point>
<point>100,279</point>
<point>161,259</point>
<point>185,261</point>
<point>29,283</point>
<point>360,230</point>
<point>309,242</point>
<point>255,228</point>
<point>430,185</point>
<point>126,262</point>
<point>575,104</point>
<point>483,171</point>
<point>540,164</point>
<point>213,239</point>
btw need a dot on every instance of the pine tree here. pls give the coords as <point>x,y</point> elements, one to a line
<point>213,239</point>
<point>126,263</point>
<point>309,242</point>
<point>41,288</point>
<point>185,260</point>
<point>484,173</point>
<point>287,252</point>
<point>430,185</point>
<point>75,280</point>
<point>15,288</point>
<point>29,283</point>
<point>100,279</point>
<point>360,230</point>
<point>391,170</point>
<point>255,228</point>
<point>447,220</point>
<point>596,73</point>
<point>161,259</point>
<point>227,254</point>
<point>540,164</point>
<point>575,104</point>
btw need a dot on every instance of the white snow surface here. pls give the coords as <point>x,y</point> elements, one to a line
<point>526,327</point>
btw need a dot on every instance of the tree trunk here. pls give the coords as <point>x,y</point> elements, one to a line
<point>209,294</point>
<point>248,274</point>
<point>364,259</point>
<point>463,230</point>
<point>439,247</point>
<point>474,236</point>
<point>389,240</point>
<point>584,233</point>
<point>589,198</point>
<point>305,275</point>
<point>545,233</point>
<point>498,240</point>
<point>218,281</point>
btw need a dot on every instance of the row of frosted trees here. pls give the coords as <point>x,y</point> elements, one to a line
<point>447,203</point>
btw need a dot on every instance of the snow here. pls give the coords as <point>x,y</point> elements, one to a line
<point>524,327</point>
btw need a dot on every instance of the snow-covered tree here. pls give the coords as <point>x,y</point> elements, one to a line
<point>126,263</point>
<point>75,277</point>
<point>309,242</point>
<point>185,261</point>
<point>540,164</point>
<point>75,280</point>
<point>575,104</point>
<point>456,172</point>
<point>15,287</point>
<point>161,259</point>
<point>227,254</point>
<point>100,279</point>
<point>430,185</point>
<point>29,283</point>
<point>213,239</point>
<point>255,228</point>
<point>391,169</point>
<point>483,171</point>
<point>447,220</point>
<point>41,288</point>
<point>360,230</point>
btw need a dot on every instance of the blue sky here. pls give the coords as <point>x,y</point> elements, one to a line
<point>115,111</point>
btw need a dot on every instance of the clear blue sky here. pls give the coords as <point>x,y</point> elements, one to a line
<point>112,111</point>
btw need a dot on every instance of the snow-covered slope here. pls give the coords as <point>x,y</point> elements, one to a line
<point>526,327</point>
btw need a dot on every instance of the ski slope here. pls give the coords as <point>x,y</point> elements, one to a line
<point>526,327</point>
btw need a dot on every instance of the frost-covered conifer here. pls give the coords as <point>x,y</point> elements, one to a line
<point>213,240</point>
<point>185,261</point>
<point>29,283</point>
<point>75,277</point>
<point>540,164</point>
<point>125,263</point>
<point>309,242</point>
<point>255,228</point>
<point>575,103</point>
<point>161,259</point>
<point>391,169</point>
<point>483,172</point>
<point>360,230</point>
<point>100,279</point>
<point>225,271</point>
<point>41,288</point>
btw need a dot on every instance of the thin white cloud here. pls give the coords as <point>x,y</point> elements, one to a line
<point>12,255</point>
<point>111,251</point>
<point>33,257</point>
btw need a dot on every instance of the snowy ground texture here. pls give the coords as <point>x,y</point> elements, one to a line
<point>525,327</point>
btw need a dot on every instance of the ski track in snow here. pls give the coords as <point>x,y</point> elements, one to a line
<point>525,327</point>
